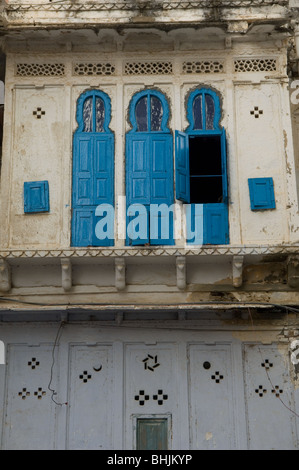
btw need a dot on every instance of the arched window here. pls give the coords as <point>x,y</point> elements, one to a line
<point>93,168</point>
<point>149,167</point>
<point>201,174</point>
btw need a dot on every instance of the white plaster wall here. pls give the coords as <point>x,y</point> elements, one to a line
<point>37,154</point>
<point>259,148</point>
<point>42,149</point>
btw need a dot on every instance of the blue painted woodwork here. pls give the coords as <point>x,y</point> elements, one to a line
<point>261,191</point>
<point>207,224</point>
<point>182,170</point>
<point>36,197</point>
<point>149,161</point>
<point>215,224</point>
<point>214,127</point>
<point>204,114</point>
<point>93,167</point>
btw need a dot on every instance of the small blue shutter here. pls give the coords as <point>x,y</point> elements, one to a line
<point>224,166</point>
<point>261,193</point>
<point>182,179</point>
<point>215,224</point>
<point>36,197</point>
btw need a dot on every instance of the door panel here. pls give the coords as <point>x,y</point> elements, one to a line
<point>269,399</point>
<point>211,397</point>
<point>90,414</point>
<point>30,411</point>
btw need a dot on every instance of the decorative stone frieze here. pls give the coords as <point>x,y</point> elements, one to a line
<point>217,250</point>
<point>67,13</point>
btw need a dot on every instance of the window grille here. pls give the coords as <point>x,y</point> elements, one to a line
<point>88,68</point>
<point>203,66</point>
<point>40,70</point>
<point>255,65</point>
<point>148,68</point>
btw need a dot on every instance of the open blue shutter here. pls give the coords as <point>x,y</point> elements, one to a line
<point>224,166</point>
<point>182,179</point>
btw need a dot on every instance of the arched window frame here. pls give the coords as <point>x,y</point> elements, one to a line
<point>217,117</point>
<point>80,104</point>
<point>214,214</point>
<point>148,93</point>
<point>84,207</point>
<point>148,144</point>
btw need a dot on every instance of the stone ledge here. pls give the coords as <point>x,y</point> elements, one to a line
<point>217,250</point>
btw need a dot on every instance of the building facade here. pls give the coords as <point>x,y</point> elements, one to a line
<point>149,255</point>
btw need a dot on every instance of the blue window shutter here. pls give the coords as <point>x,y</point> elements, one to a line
<point>138,223</point>
<point>93,170</point>
<point>224,166</point>
<point>36,197</point>
<point>161,169</point>
<point>82,170</point>
<point>103,170</point>
<point>215,224</point>
<point>161,225</point>
<point>82,227</point>
<point>261,191</point>
<point>182,178</point>
<point>137,170</point>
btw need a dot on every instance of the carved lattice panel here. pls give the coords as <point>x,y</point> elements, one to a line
<point>211,397</point>
<point>269,399</point>
<point>30,411</point>
<point>90,397</point>
<point>39,70</point>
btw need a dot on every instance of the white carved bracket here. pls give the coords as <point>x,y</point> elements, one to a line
<point>5,276</point>
<point>181,272</point>
<point>238,270</point>
<point>66,274</point>
<point>120,273</point>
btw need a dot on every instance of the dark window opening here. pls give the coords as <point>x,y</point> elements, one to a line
<point>205,169</point>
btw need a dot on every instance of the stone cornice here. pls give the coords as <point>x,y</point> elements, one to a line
<point>79,13</point>
<point>88,253</point>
